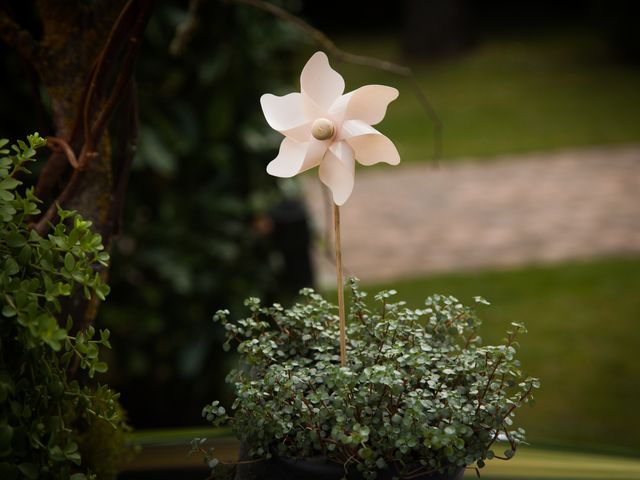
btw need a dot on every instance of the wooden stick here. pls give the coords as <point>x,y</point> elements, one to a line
<point>343,321</point>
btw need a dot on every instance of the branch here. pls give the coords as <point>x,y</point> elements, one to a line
<point>329,45</point>
<point>124,77</point>
<point>96,130</point>
<point>185,30</point>
<point>60,144</point>
<point>17,37</point>
<point>98,71</point>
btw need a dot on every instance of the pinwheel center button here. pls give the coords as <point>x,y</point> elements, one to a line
<point>322,129</point>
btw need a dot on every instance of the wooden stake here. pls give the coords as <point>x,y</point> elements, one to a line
<point>343,321</point>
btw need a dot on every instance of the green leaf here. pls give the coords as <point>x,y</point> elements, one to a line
<point>70,448</point>
<point>102,290</point>
<point>25,255</point>
<point>36,141</point>
<point>15,240</point>
<point>56,454</point>
<point>74,236</point>
<point>64,289</point>
<point>75,458</point>
<point>11,266</point>
<point>100,367</point>
<point>69,262</point>
<point>6,196</point>
<point>6,211</point>
<point>9,183</point>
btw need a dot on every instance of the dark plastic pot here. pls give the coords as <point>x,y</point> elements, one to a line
<point>318,468</point>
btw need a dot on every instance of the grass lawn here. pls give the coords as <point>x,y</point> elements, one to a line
<point>583,343</point>
<point>510,94</point>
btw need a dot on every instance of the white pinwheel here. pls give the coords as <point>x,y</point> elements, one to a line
<point>323,127</point>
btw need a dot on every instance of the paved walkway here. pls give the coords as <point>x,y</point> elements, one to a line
<point>538,208</point>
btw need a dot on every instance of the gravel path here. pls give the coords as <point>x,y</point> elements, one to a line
<point>537,208</point>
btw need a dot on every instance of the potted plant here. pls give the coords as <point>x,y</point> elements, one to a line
<point>420,396</point>
<point>392,392</point>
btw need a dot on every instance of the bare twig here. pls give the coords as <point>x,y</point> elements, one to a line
<point>186,29</point>
<point>98,72</point>
<point>60,144</point>
<point>124,76</point>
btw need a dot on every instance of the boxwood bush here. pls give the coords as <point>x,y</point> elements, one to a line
<point>49,417</point>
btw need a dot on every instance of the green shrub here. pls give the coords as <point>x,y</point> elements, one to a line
<point>44,410</point>
<point>419,390</point>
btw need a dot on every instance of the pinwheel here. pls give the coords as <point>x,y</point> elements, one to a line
<point>322,127</point>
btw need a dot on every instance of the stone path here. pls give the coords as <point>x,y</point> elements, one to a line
<point>537,208</point>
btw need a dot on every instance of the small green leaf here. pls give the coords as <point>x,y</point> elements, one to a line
<point>6,196</point>
<point>15,240</point>
<point>25,255</point>
<point>75,458</point>
<point>70,448</point>
<point>9,183</point>
<point>6,210</point>
<point>69,262</point>
<point>11,266</point>
<point>100,367</point>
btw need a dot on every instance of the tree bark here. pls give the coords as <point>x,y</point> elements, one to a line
<point>84,63</point>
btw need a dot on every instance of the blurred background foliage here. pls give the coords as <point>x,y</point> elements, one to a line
<point>204,226</point>
<point>203,221</point>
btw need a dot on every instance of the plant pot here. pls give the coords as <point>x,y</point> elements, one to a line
<point>318,468</point>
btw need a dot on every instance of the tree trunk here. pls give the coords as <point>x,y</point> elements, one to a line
<point>84,62</point>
